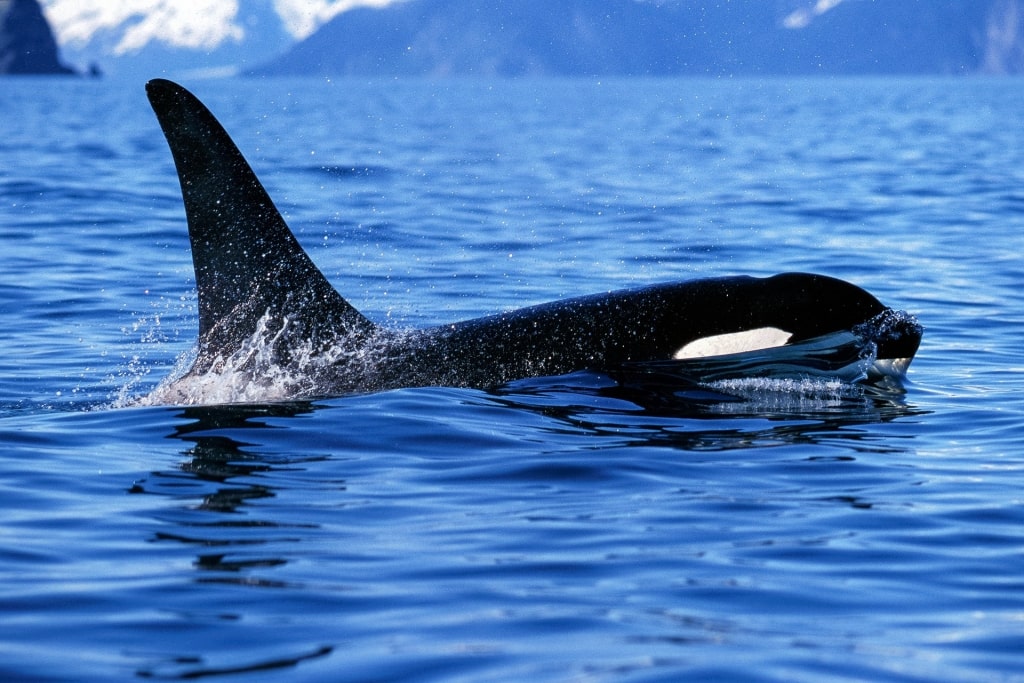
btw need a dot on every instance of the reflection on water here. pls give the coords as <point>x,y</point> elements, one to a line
<point>217,465</point>
<point>228,469</point>
<point>235,483</point>
<point>754,414</point>
<point>219,472</point>
<point>581,405</point>
<point>218,457</point>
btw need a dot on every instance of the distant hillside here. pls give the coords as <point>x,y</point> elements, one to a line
<point>27,45</point>
<point>185,39</point>
<point>624,37</point>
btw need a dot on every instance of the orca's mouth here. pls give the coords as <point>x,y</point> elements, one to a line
<point>896,336</point>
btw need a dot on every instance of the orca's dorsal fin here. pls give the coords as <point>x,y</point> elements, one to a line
<point>248,263</point>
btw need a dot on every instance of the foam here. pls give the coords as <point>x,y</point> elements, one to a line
<point>274,364</point>
<point>816,388</point>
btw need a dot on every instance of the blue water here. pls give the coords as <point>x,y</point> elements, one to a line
<point>532,533</point>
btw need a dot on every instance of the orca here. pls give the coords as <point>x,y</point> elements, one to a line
<point>271,326</point>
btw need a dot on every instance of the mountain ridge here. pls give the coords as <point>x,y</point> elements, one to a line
<point>439,38</point>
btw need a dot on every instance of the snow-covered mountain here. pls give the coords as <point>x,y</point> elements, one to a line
<point>144,38</point>
<point>439,38</point>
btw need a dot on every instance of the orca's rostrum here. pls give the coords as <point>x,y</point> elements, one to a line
<point>272,327</point>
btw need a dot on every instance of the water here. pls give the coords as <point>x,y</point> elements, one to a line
<point>537,532</point>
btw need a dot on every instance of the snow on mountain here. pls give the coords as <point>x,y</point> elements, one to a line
<point>128,27</point>
<point>303,17</point>
<point>146,37</point>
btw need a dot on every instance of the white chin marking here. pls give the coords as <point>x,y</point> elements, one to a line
<point>734,342</point>
<point>891,367</point>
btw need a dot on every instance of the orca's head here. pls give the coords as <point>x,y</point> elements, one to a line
<point>757,314</point>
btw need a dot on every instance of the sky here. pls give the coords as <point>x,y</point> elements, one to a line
<point>130,25</point>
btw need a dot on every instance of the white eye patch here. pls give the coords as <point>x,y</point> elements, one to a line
<point>734,342</point>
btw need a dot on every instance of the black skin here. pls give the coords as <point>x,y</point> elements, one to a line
<point>248,265</point>
<point>602,331</point>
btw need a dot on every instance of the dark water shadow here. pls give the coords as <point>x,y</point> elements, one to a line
<point>696,417</point>
<point>215,454</point>
<point>222,475</point>
<point>236,543</point>
<point>224,443</point>
<point>193,670</point>
<point>227,467</point>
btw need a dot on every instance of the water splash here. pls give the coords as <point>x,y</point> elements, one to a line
<point>810,387</point>
<point>276,363</point>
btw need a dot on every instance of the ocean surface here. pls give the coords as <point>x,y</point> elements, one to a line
<point>531,532</point>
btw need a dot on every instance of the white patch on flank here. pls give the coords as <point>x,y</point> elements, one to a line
<point>734,342</point>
